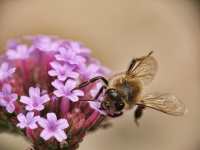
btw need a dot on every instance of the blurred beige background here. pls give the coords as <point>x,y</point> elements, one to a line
<point>118,30</point>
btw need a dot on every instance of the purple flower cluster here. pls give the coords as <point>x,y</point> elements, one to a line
<point>37,76</point>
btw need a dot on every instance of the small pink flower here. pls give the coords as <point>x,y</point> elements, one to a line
<point>46,43</point>
<point>78,48</point>
<point>28,121</point>
<point>21,52</point>
<point>35,101</point>
<point>65,90</point>
<point>90,71</point>
<point>6,71</point>
<point>69,56</point>
<point>7,98</point>
<point>62,71</point>
<point>53,127</point>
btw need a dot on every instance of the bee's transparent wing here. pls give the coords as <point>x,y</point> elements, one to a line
<point>165,103</point>
<point>145,69</point>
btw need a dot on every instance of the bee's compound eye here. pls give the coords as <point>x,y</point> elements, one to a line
<point>119,105</point>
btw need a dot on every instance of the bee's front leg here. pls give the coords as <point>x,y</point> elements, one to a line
<point>84,84</point>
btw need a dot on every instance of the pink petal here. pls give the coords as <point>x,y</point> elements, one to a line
<point>55,65</point>
<point>30,116</point>
<point>52,73</point>
<point>25,100</point>
<point>62,77</point>
<point>10,107</point>
<point>6,88</point>
<point>39,107</point>
<point>13,97</point>
<point>58,93</point>
<point>73,98</point>
<point>43,122</point>
<point>74,75</point>
<point>21,125</point>
<point>33,126</point>
<point>60,135</point>
<point>70,84</point>
<point>51,117</point>
<point>45,98</point>
<point>29,107</point>
<point>78,93</point>
<point>57,84</point>
<point>12,70</point>
<point>46,135</point>
<point>63,124</point>
<point>34,92</point>
<point>21,118</point>
<point>4,66</point>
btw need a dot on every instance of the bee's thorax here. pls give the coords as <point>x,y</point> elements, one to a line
<point>130,88</point>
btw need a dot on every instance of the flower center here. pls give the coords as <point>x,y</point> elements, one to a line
<point>62,72</point>
<point>35,101</point>
<point>7,99</point>
<point>52,126</point>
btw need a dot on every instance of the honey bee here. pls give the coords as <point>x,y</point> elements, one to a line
<point>124,91</point>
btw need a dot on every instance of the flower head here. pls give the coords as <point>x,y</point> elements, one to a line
<point>27,121</point>
<point>7,98</point>
<point>35,100</point>
<point>53,127</point>
<point>6,71</point>
<point>44,71</point>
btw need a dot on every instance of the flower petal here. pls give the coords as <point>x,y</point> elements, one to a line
<point>46,135</point>
<point>43,122</point>
<point>45,98</point>
<point>60,135</point>
<point>78,93</point>
<point>25,100</point>
<point>63,124</point>
<point>51,117</point>
<point>10,107</point>
<point>21,118</point>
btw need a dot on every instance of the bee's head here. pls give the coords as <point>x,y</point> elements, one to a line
<point>113,102</point>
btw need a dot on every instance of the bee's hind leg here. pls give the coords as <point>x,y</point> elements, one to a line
<point>138,113</point>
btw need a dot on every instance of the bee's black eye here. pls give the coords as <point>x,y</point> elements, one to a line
<point>119,105</point>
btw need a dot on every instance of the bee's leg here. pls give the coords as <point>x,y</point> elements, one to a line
<point>138,113</point>
<point>83,84</point>
<point>99,92</point>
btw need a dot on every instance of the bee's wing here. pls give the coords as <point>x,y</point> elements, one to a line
<point>145,69</point>
<point>165,103</point>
